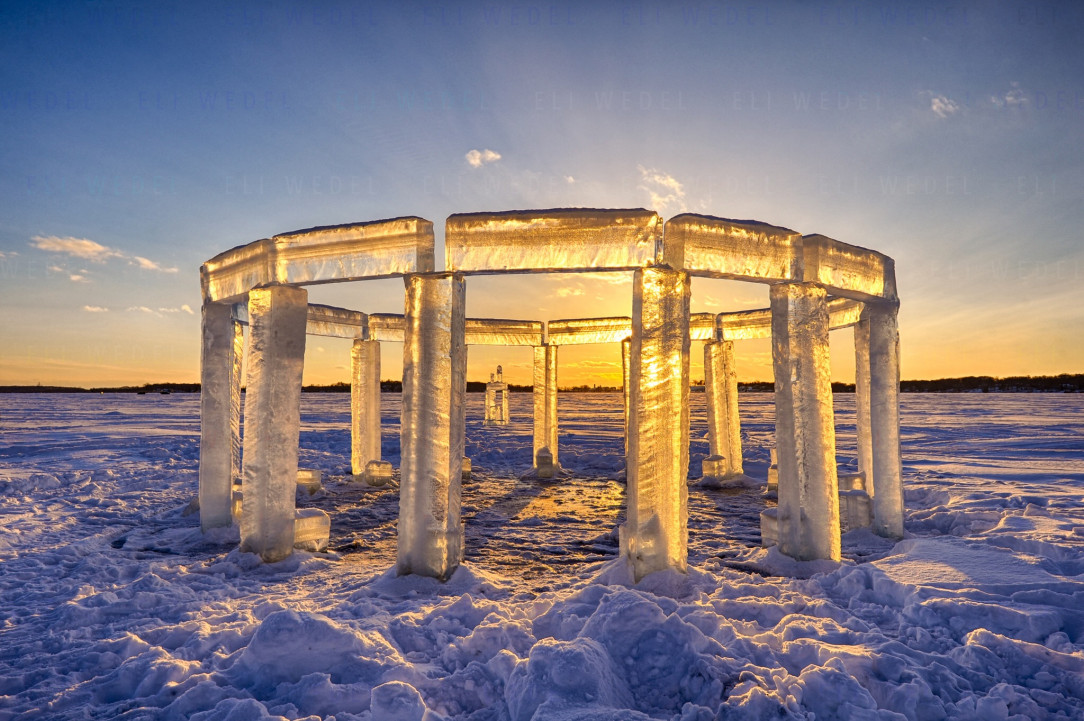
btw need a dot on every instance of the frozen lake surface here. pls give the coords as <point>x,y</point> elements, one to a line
<point>113,605</point>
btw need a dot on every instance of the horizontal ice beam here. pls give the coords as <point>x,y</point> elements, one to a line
<point>499,331</point>
<point>334,322</point>
<point>734,249</point>
<point>847,270</point>
<point>387,326</point>
<point>702,326</point>
<point>566,239</point>
<point>750,324</point>
<point>357,251</point>
<point>589,330</point>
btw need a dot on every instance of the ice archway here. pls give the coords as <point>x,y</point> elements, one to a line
<point>815,284</point>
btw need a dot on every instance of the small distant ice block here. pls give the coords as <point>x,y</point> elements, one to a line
<point>589,330</point>
<point>377,249</point>
<point>852,481</point>
<point>309,480</point>
<point>773,474</point>
<point>378,473</point>
<point>769,527</point>
<point>544,463</point>
<point>466,468</point>
<point>734,249</point>
<point>715,467</point>
<point>312,529</point>
<point>848,270</point>
<point>235,502</point>
<point>564,239</point>
<point>854,510</point>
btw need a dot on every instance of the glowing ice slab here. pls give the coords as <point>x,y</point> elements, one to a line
<point>655,536</point>
<point>364,404</point>
<point>378,249</point>
<point>273,419</point>
<point>750,324</point>
<point>848,270</point>
<point>430,539</point>
<point>589,330</point>
<point>804,426</point>
<point>465,469</point>
<point>312,529</point>
<point>309,480</point>
<point>387,326</point>
<point>565,239</point>
<point>332,322</point>
<point>220,410</point>
<point>498,331</point>
<point>738,249</point>
<point>702,326</point>
<point>377,473</point>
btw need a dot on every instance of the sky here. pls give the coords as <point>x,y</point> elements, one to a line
<point>141,139</point>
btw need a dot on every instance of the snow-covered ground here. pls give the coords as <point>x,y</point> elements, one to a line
<point>113,605</point>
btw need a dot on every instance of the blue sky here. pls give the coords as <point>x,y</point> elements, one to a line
<point>142,139</point>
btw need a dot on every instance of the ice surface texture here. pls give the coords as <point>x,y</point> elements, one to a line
<point>273,419</point>
<point>655,535</point>
<point>434,383</point>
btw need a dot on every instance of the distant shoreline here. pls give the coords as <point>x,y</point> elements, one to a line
<point>1064,383</point>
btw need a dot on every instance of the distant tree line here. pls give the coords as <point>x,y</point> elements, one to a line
<point>1064,383</point>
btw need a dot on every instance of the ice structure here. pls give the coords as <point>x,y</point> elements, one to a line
<point>816,284</point>
<point>496,401</point>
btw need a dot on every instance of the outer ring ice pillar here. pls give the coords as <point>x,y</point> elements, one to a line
<point>434,383</point>
<point>724,424</point>
<point>364,404</point>
<point>626,351</point>
<point>861,400</point>
<point>277,320</point>
<point>808,512</point>
<point>655,536</point>
<point>221,356</point>
<point>884,354</point>
<point>545,403</point>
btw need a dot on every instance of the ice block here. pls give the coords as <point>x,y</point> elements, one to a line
<point>332,322</point>
<point>545,404</point>
<point>702,326</point>
<point>497,331</point>
<point>589,330</point>
<point>273,419</point>
<point>854,510</point>
<point>312,529</point>
<point>769,527</point>
<point>309,480</point>
<point>724,424</point>
<point>221,357</point>
<point>805,432</point>
<point>564,239</point>
<point>655,535</point>
<point>355,251</point>
<point>430,539</point>
<point>750,324</point>
<point>496,402</point>
<point>737,249</point>
<point>364,404</point>
<point>847,270</point>
<point>387,326</point>
<point>377,473</point>
<point>884,394</point>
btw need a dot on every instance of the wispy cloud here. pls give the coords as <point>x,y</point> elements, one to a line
<point>666,193</point>
<point>161,311</point>
<point>566,292</point>
<point>142,309</point>
<point>95,309</point>
<point>1011,99</point>
<point>93,251</point>
<point>478,158</point>
<point>78,277</point>
<point>943,106</point>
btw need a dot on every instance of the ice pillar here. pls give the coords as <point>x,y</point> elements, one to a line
<point>277,320</point>
<point>884,354</point>
<point>721,385</point>
<point>430,539</point>
<point>221,356</point>
<point>655,535</point>
<point>626,350</point>
<point>861,401</point>
<point>545,403</point>
<point>808,513</point>
<point>364,404</point>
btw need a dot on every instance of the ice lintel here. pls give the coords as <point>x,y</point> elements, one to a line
<point>589,330</point>
<point>387,327</point>
<point>848,270</point>
<point>750,324</point>
<point>324,254</point>
<point>702,326</point>
<point>501,331</point>
<point>326,320</point>
<point>749,250</point>
<point>552,240</point>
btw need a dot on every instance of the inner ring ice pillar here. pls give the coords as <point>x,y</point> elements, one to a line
<point>724,425</point>
<point>364,404</point>
<point>277,320</point>
<point>808,514</point>
<point>220,413</point>
<point>430,541</point>
<point>545,405</point>
<point>862,405</point>
<point>655,535</point>
<point>884,354</point>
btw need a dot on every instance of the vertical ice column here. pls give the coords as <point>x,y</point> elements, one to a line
<point>504,404</point>
<point>434,383</point>
<point>804,426</point>
<point>861,400</point>
<point>884,354</point>
<point>626,350</point>
<point>364,404</point>
<point>545,402</point>
<point>221,356</point>
<point>655,535</point>
<point>277,319</point>
<point>491,401</point>
<point>724,425</point>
